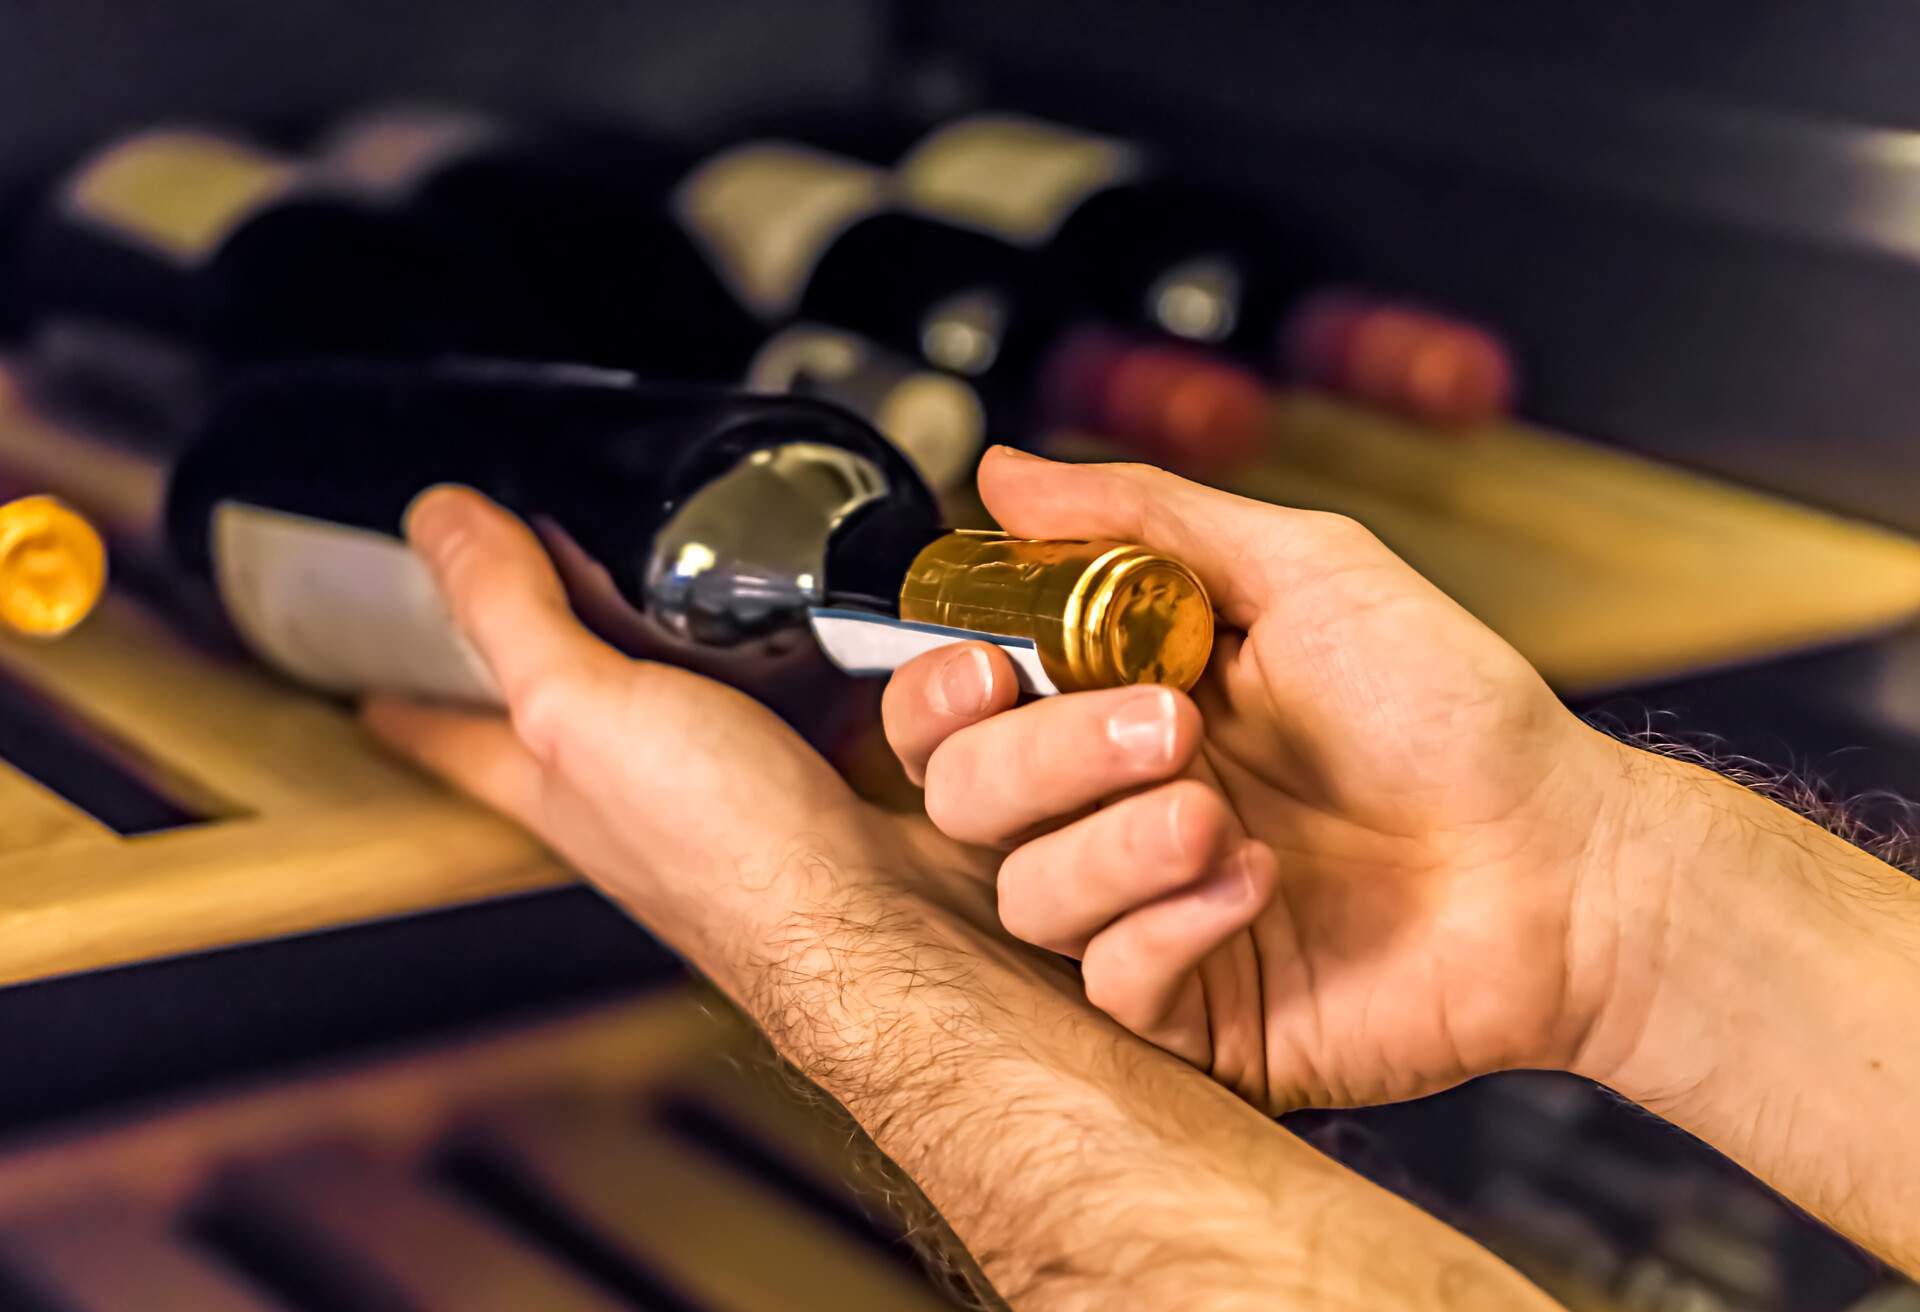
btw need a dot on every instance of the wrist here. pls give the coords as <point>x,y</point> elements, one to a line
<point>1716,896</point>
<point>1763,999</point>
<point>1082,1167</point>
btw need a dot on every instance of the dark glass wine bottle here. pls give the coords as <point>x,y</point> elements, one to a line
<point>1144,247</point>
<point>1148,248</point>
<point>582,214</point>
<point>171,253</point>
<point>803,233</point>
<point>721,531</point>
<point>578,212</point>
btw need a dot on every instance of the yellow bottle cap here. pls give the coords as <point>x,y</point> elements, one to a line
<point>1100,614</point>
<point>53,567</point>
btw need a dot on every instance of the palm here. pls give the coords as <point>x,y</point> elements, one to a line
<point>1398,794</point>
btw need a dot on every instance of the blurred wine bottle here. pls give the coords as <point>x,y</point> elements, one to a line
<point>1145,247</point>
<point>1400,357</point>
<point>577,211</point>
<point>805,235</point>
<point>612,277</point>
<point>1151,249</point>
<point>171,255</point>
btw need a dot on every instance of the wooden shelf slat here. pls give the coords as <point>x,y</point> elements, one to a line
<point>1602,567</point>
<point>365,1232</point>
<point>109,1255</point>
<point>818,1140</point>
<point>32,816</point>
<point>648,1201</point>
<point>229,728</point>
<point>252,878</point>
<point>400,1106</point>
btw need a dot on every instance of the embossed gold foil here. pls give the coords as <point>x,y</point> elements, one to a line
<point>1101,614</point>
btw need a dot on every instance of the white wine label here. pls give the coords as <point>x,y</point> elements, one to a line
<point>386,153</point>
<point>344,609</point>
<point>865,644</point>
<point>1017,177</point>
<point>936,420</point>
<point>767,211</point>
<point>177,191</point>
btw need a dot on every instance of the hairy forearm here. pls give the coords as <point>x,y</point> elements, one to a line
<point>1781,1027</point>
<point>1081,1167</point>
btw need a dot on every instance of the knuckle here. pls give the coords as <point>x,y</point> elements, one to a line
<point>1110,985</point>
<point>1337,531</point>
<point>899,718</point>
<point>1136,487</point>
<point>949,792</point>
<point>1036,737</point>
<point>1140,474</point>
<point>1020,913</point>
<point>541,710</point>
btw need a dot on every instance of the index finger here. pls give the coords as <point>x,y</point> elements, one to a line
<point>939,693</point>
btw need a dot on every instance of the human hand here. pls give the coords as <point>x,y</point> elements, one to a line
<point>1368,858</point>
<point>687,800</point>
<point>862,942</point>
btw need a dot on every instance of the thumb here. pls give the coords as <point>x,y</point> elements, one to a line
<point>505,596</point>
<point>1246,552</point>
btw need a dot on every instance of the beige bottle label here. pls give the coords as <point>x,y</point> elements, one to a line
<point>384,154</point>
<point>344,609</point>
<point>1017,177</point>
<point>767,211</point>
<point>936,420</point>
<point>177,191</point>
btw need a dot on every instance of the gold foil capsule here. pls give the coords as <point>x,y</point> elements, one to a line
<point>1100,614</point>
<point>53,567</point>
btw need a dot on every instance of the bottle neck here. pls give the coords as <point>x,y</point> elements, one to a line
<point>784,529</point>
<point>872,552</point>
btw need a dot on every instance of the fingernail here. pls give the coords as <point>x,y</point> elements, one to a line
<point>1142,727</point>
<point>963,684</point>
<point>1233,885</point>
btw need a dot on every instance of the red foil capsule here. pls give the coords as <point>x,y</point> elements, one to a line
<point>1400,357</point>
<point>1168,404</point>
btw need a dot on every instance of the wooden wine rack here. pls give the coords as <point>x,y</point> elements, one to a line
<point>299,822</point>
<point>1604,568</point>
<point>638,1155</point>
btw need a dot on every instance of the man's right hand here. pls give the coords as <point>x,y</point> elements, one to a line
<point>1370,857</point>
<point>1373,856</point>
